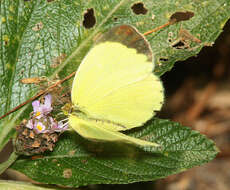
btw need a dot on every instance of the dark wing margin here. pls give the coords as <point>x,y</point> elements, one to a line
<point>128,36</point>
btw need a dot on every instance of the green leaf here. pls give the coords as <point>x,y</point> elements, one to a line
<point>209,19</point>
<point>34,33</point>
<point>76,162</point>
<point>6,185</point>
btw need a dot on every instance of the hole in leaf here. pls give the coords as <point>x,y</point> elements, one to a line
<point>6,40</point>
<point>89,19</point>
<point>179,45</point>
<point>115,18</point>
<point>181,16</point>
<point>163,59</point>
<point>5,43</point>
<point>138,8</point>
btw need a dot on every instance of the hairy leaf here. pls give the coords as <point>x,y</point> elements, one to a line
<point>76,162</point>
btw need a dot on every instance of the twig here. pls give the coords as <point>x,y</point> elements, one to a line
<point>69,76</point>
<point>37,95</point>
<point>157,28</point>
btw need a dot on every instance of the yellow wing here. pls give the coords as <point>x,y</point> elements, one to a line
<point>90,131</point>
<point>114,83</point>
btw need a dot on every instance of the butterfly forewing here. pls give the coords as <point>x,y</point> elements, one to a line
<point>115,81</point>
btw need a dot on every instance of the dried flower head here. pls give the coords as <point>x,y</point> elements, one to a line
<point>41,131</point>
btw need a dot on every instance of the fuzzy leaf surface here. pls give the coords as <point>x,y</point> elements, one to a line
<point>76,162</point>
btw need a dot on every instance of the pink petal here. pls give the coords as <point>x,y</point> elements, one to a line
<point>39,127</point>
<point>48,100</point>
<point>46,107</point>
<point>36,105</point>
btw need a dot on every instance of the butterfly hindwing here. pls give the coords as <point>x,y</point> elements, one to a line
<point>93,132</point>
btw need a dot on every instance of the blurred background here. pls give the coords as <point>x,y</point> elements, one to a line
<point>198,96</point>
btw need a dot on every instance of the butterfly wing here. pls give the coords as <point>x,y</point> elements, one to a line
<point>116,83</point>
<point>90,131</point>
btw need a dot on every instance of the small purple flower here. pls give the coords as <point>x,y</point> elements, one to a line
<point>37,109</point>
<point>39,127</point>
<point>42,109</point>
<point>41,121</point>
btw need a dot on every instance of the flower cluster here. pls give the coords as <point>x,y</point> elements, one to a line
<point>42,121</point>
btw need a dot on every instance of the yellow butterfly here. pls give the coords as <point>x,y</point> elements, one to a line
<point>114,88</point>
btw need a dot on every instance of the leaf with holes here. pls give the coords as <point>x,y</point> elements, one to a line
<point>76,162</point>
<point>45,38</point>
